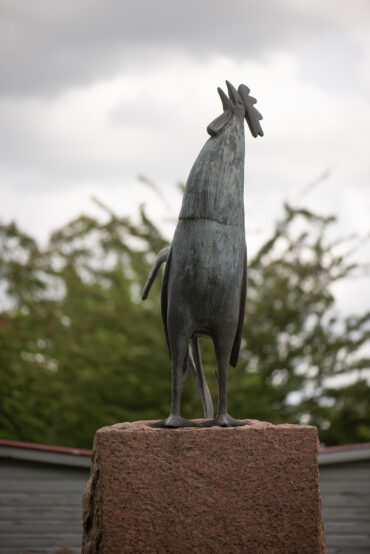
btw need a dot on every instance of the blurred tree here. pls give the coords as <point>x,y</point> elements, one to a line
<point>79,350</point>
<point>295,341</point>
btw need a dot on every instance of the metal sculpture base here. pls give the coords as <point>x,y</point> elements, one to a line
<point>174,422</point>
<point>238,489</point>
<point>224,420</point>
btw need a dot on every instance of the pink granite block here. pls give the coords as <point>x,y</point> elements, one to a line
<point>251,489</point>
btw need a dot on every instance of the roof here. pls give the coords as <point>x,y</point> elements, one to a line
<point>45,453</point>
<point>62,455</point>
<point>47,447</point>
<point>344,453</point>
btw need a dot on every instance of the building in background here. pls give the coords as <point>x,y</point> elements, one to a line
<point>41,488</point>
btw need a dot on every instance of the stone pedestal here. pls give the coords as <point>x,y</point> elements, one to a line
<point>251,489</point>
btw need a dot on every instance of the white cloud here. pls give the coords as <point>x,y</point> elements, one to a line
<point>146,111</point>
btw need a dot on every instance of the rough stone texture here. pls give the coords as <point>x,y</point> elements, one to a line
<point>250,489</point>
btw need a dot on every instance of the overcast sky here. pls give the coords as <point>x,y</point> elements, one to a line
<point>94,93</point>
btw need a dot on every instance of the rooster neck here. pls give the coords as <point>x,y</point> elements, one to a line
<point>215,186</point>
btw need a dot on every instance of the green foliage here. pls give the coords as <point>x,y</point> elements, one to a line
<point>79,349</point>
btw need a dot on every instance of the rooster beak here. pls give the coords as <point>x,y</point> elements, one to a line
<point>233,93</point>
<point>226,103</point>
